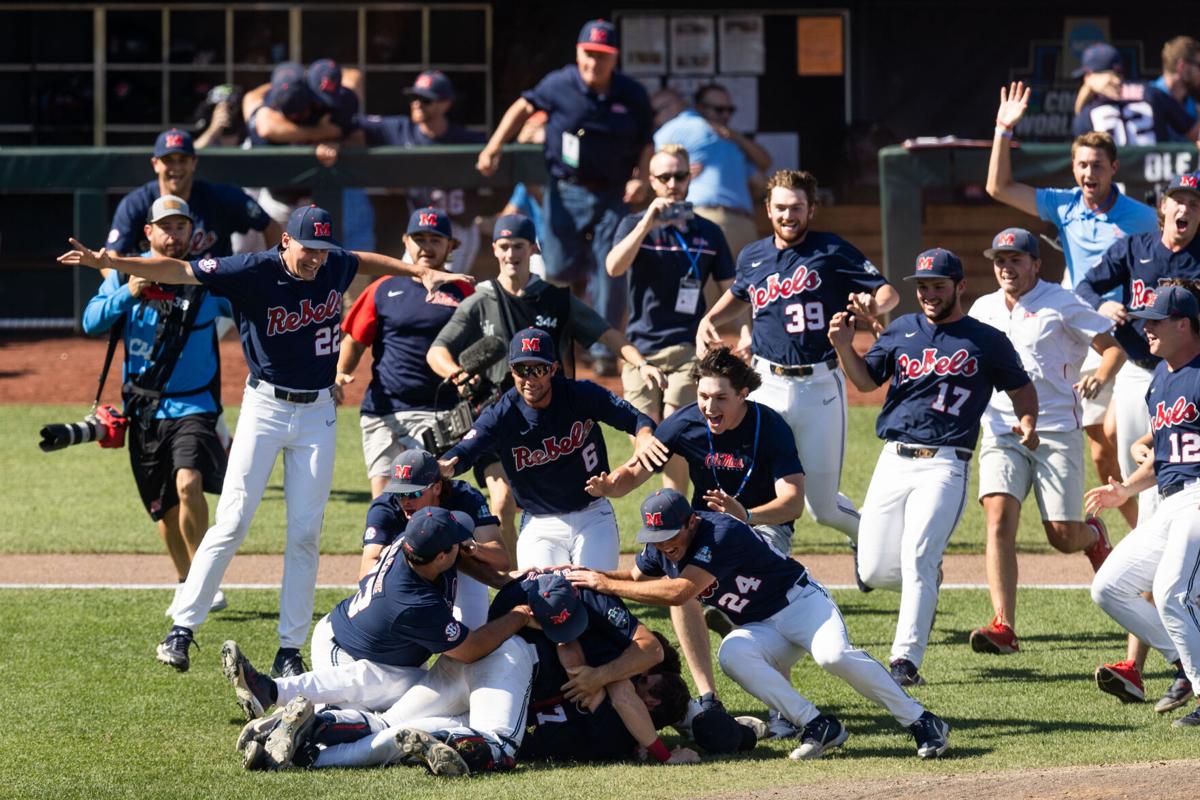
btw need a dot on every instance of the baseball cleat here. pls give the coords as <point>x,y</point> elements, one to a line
<point>761,729</point>
<point>932,735</point>
<point>1177,695</point>
<point>173,650</point>
<point>779,727</point>
<point>819,736</point>
<point>288,663</point>
<point>255,692</point>
<point>286,739</point>
<point>1123,680</point>
<point>1192,720</point>
<point>441,759</point>
<point>904,673</point>
<point>257,730</point>
<point>254,757</point>
<point>996,638</point>
<point>1098,551</point>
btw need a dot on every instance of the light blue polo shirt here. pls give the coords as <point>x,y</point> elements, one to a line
<point>723,181</point>
<point>1086,234</point>
<point>1189,106</point>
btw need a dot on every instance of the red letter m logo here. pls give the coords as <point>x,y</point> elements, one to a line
<point>1188,180</point>
<point>561,617</point>
<point>531,345</point>
<point>925,262</point>
<point>654,519</point>
<point>429,219</point>
<point>176,140</point>
<point>1005,239</point>
<point>322,229</point>
<point>403,471</point>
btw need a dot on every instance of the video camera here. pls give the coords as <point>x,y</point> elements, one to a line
<point>106,425</point>
<point>449,427</point>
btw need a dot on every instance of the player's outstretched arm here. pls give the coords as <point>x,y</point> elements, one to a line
<point>725,310</point>
<point>652,591</point>
<point>379,264</point>
<point>484,640</point>
<point>1117,492</point>
<point>1000,184</point>
<point>158,269</point>
<point>506,131</point>
<point>841,336</point>
<point>636,718</point>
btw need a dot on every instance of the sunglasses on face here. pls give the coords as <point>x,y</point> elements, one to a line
<point>667,176</point>
<point>525,371</point>
<point>414,495</point>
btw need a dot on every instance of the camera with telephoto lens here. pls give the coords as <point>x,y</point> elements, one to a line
<point>677,212</point>
<point>105,425</point>
<point>449,427</point>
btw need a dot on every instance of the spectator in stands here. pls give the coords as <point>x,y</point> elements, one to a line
<point>1181,76</point>
<point>217,209</point>
<point>720,169</point>
<point>220,119</point>
<point>1131,113</point>
<point>715,104</point>
<point>598,146</point>
<point>428,123</point>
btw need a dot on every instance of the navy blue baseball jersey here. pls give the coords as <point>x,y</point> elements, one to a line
<point>1142,115</point>
<point>386,519</point>
<point>942,378</point>
<point>558,730</point>
<point>399,319</point>
<point>397,617</point>
<point>1135,266</point>
<point>667,256</point>
<point>218,209</point>
<point>604,134</point>
<point>744,462</point>
<point>1173,398</point>
<point>290,329</point>
<point>549,453</point>
<point>343,113</point>
<point>750,578</point>
<point>793,292</point>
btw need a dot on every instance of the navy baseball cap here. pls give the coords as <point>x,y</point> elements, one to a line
<point>289,94</point>
<point>599,35</point>
<point>432,85</point>
<point>1187,182</point>
<point>531,344</point>
<point>174,141</point>
<point>429,220</point>
<point>664,513</point>
<point>1016,240</point>
<point>557,607</point>
<point>434,530</point>
<point>1099,57</point>
<point>937,263</point>
<point>514,226</point>
<point>324,78</point>
<point>312,227</point>
<point>1170,301</point>
<point>412,471</point>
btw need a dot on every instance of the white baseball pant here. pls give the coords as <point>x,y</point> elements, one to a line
<point>815,409</point>
<point>587,537</point>
<point>760,655</point>
<point>306,433</point>
<point>1133,422</point>
<point>1162,556</point>
<point>911,509</point>
<point>471,602</point>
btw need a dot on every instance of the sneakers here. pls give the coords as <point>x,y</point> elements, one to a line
<point>778,727</point>
<point>288,663</point>
<point>1192,720</point>
<point>932,735</point>
<point>173,650</point>
<point>441,759</point>
<point>1123,680</point>
<point>904,673</point>
<point>255,692</point>
<point>288,735</point>
<point>717,622</point>
<point>1099,549</point>
<point>1176,696</point>
<point>822,734</point>
<point>760,728</point>
<point>995,638</point>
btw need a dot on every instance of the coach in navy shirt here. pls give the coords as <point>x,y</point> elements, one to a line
<point>598,144</point>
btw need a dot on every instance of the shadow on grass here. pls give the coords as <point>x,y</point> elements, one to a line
<point>246,615</point>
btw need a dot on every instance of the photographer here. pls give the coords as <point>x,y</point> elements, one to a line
<point>220,118</point>
<point>670,253</point>
<point>398,320</point>
<point>172,375</point>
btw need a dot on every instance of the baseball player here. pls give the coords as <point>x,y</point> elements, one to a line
<point>780,612</point>
<point>1161,555</point>
<point>795,281</point>
<point>287,302</point>
<point>1132,113</point>
<point>398,319</point>
<point>417,483</point>
<point>942,367</point>
<point>546,431</point>
<point>1051,329</point>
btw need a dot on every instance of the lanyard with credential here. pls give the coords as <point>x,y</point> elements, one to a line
<point>693,258</point>
<point>712,462</point>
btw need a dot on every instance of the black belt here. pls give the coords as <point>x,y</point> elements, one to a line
<point>1175,488</point>
<point>1145,363</point>
<point>291,397</point>
<point>802,581</point>
<point>916,451</point>
<point>801,371</point>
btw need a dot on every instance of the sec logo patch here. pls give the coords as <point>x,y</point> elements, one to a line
<point>207,264</point>
<point>452,631</point>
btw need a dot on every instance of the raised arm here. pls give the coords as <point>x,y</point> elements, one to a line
<point>1000,184</point>
<point>159,269</point>
<point>379,264</point>
<point>506,131</point>
<point>725,310</point>
<point>841,336</point>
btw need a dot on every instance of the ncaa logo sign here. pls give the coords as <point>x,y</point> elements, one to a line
<point>924,262</point>
<point>322,229</point>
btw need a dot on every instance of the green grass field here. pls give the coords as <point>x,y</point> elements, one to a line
<point>91,714</point>
<point>83,499</point>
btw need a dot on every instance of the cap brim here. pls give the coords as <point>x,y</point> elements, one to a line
<point>170,150</point>
<point>1190,189</point>
<point>1149,314</point>
<point>161,217</point>
<point>397,486</point>
<point>424,94</point>
<point>992,251</point>
<point>531,360</point>
<point>319,244</point>
<point>1079,72</point>
<point>925,276</point>
<point>434,231</point>
<point>571,630</point>
<point>655,535</point>
<point>599,48</point>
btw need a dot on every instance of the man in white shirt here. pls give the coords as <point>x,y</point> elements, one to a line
<point>1051,329</point>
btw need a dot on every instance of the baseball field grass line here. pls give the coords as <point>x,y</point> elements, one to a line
<point>83,499</point>
<point>93,715</point>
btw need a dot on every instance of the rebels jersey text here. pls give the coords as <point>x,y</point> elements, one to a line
<point>751,579</point>
<point>1173,400</point>
<point>793,292</point>
<point>386,519</point>
<point>942,378</point>
<point>218,210</point>
<point>290,329</point>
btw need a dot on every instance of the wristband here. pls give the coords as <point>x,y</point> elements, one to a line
<point>659,751</point>
<point>1004,132</point>
<point>749,517</point>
